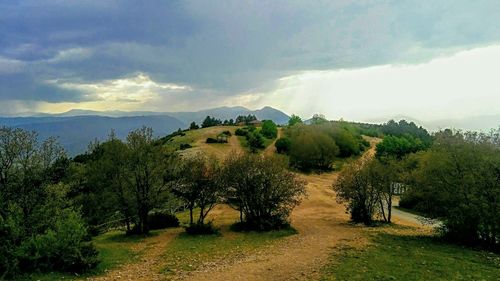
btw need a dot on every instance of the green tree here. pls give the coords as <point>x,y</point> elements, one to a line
<point>312,149</point>
<point>294,119</point>
<point>456,180</point>
<point>262,190</point>
<point>193,126</point>
<point>199,186</point>
<point>355,189</point>
<point>147,167</point>
<point>269,129</point>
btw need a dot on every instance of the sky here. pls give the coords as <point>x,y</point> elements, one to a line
<point>357,60</point>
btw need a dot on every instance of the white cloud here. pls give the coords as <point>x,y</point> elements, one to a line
<point>139,88</point>
<point>461,85</point>
<point>73,54</point>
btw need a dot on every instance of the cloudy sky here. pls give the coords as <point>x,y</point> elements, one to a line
<point>345,58</point>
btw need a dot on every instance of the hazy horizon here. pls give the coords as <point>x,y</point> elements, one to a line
<point>355,60</point>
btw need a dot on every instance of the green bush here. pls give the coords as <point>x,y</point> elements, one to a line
<point>255,140</point>
<point>241,132</point>
<point>66,247</point>
<point>283,145</point>
<point>201,229</point>
<point>184,146</point>
<point>161,220</point>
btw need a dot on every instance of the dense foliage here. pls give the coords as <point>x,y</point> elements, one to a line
<point>210,122</point>
<point>241,119</point>
<point>457,180</point>
<point>40,230</point>
<point>269,129</point>
<point>316,146</point>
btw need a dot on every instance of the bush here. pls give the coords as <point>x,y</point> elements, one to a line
<point>241,132</point>
<point>161,220</point>
<point>283,145</point>
<point>212,140</point>
<point>201,229</point>
<point>227,133</point>
<point>65,248</point>
<point>184,146</point>
<point>255,141</point>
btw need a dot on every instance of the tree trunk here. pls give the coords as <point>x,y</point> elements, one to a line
<point>190,214</point>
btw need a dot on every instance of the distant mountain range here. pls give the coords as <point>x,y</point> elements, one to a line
<point>76,128</point>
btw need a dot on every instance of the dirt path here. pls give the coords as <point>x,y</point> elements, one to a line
<point>322,225</point>
<point>271,148</point>
<point>149,266</point>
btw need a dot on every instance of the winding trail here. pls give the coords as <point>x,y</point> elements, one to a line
<point>322,225</point>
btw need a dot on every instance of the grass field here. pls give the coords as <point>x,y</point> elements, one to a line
<point>395,256</point>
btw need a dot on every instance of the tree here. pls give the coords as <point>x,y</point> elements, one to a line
<point>147,166</point>
<point>35,211</point>
<point>269,129</point>
<point>398,147</point>
<point>210,121</point>
<point>294,119</point>
<point>312,149</point>
<point>199,186</point>
<point>354,188</point>
<point>457,181</point>
<point>193,126</point>
<point>262,190</point>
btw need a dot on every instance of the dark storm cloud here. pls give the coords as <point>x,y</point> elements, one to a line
<point>226,47</point>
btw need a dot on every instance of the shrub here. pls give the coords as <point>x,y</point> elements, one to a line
<point>201,229</point>
<point>255,141</point>
<point>66,248</point>
<point>283,145</point>
<point>212,140</point>
<point>241,132</point>
<point>161,220</point>
<point>227,133</point>
<point>184,146</point>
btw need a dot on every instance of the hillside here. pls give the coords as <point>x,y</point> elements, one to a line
<point>77,128</point>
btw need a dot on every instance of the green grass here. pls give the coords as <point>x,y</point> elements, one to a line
<point>114,249</point>
<point>186,253</point>
<point>401,257</point>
